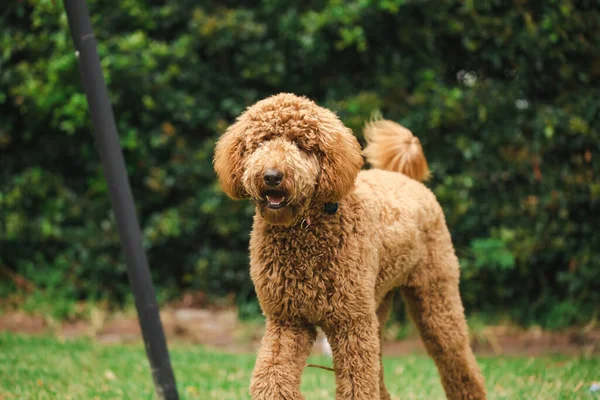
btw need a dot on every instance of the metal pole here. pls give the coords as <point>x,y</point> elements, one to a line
<point>111,156</point>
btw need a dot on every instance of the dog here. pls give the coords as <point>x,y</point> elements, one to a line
<point>331,243</point>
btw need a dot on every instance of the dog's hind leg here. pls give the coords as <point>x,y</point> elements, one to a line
<point>281,359</point>
<point>433,302</point>
<point>383,313</point>
<point>437,311</point>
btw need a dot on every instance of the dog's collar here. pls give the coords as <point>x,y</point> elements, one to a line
<point>329,208</point>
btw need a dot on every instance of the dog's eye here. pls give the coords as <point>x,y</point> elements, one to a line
<point>302,148</point>
<point>297,143</point>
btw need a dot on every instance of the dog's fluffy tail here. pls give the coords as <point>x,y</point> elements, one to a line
<point>392,147</point>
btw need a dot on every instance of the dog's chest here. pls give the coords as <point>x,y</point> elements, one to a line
<point>295,277</point>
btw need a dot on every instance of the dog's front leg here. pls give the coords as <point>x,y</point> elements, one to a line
<point>355,346</point>
<point>281,359</point>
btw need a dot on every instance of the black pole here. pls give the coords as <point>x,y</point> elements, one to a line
<point>111,156</point>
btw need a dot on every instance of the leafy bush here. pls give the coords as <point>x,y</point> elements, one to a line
<point>501,93</point>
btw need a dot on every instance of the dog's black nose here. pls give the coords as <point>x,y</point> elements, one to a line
<point>273,177</point>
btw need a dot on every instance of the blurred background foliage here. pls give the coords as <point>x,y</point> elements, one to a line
<point>503,94</point>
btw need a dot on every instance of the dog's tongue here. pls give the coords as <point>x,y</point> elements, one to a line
<point>275,200</point>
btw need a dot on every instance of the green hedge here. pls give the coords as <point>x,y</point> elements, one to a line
<point>504,96</point>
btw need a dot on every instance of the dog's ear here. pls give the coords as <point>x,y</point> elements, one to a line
<point>341,159</point>
<point>229,160</point>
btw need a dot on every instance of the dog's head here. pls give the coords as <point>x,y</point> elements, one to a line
<point>285,153</point>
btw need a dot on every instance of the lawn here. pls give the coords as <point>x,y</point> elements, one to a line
<point>45,368</point>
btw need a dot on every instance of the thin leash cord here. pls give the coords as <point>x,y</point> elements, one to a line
<point>320,367</point>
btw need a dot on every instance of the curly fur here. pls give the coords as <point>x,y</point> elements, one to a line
<point>338,271</point>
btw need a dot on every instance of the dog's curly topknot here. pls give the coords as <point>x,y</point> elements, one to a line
<point>392,147</point>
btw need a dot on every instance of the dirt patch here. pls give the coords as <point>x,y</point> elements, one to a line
<point>533,342</point>
<point>20,322</point>
<point>74,329</point>
<point>220,329</point>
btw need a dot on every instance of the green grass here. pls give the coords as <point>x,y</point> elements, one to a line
<point>44,368</point>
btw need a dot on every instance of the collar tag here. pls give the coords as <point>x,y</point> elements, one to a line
<point>305,223</point>
<point>331,208</point>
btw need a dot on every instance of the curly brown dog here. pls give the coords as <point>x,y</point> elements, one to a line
<point>330,243</point>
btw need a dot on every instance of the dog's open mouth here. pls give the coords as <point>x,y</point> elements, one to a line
<point>275,199</point>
